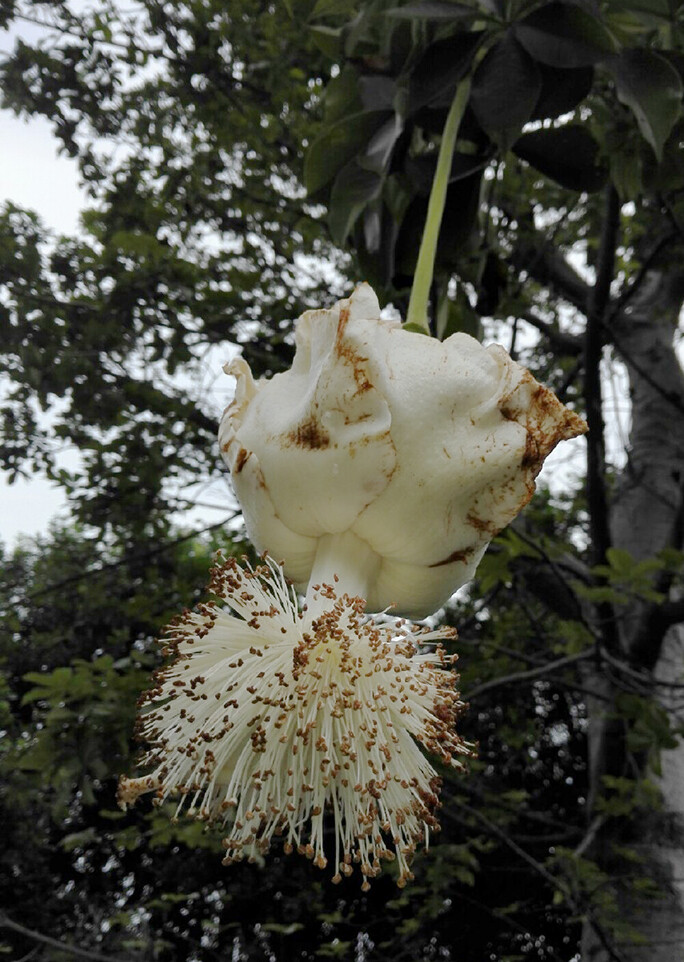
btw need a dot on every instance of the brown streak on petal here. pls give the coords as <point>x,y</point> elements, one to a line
<point>345,352</point>
<point>462,555</point>
<point>240,460</point>
<point>485,527</point>
<point>532,457</point>
<point>309,434</point>
<point>341,325</point>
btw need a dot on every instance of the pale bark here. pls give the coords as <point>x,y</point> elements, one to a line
<point>645,517</point>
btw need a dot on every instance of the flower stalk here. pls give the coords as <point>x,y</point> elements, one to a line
<point>417,314</point>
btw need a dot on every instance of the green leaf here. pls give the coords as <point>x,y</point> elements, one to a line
<point>494,569</point>
<point>562,90</point>
<point>626,173</point>
<point>506,89</point>
<point>576,638</point>
<point>414,328</point>
<point>280,929</point>
<point>434,78</point>
<point>457,315</point>
<point>378,153</point>
<point>652,8</point>
<point>342,95</point>
<point>37,694</point>
<point>620,560</point>
<point>337,145</point>
<point>336,949</point>
<point>329,40</point>
<point>652,89</point>
<point>377,93</point>
<point>564,35</point>
<point>354,188</point>
<point>78,839</point>
<point>464,875</point>
<point>434,10</point>
<point>330,8</point>
<point>569,155</point>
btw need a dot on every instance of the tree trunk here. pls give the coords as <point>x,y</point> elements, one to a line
<point>645,517</point>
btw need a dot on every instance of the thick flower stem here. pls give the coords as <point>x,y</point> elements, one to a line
<point>346,563</point>
<point>422,279</point>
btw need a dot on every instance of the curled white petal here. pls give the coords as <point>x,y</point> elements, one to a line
<point>422,450</point>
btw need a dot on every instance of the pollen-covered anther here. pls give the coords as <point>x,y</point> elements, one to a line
<point>316,700</point>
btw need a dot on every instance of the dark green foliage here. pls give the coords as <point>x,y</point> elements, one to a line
<point>77,649</point>
<point>206,142</point>
<point>196,127</point>
<point>556,59</point>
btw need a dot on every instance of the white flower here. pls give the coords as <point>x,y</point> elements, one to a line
<point>268,718</point>
<point>378,467</point>
<point>409,453</point>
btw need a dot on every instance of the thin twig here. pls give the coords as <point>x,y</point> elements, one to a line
<point>531,674</point>
<point>127,559</point>
<point>565,342</point>
<point>545,874</point>
<point>628,292</point>
<point>591,833</point>
<point>7,923</point>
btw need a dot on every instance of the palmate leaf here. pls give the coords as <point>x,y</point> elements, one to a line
<point>354,188</point>
<point>564,35</point>
<point>563,88</point>
<point>434,77</point>
<point>506,88</point>
<point>651,87</point>
<point>338,144</point>
<point>568,154</point>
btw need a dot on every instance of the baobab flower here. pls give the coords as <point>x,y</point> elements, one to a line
<point>270,717</point>
<point>378,467</point>
<point>416,451</point>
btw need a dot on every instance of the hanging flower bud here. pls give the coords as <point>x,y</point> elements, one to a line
<point>396,454</point>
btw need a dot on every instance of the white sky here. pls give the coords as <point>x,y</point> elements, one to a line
<point>32,175</point>
<point>35,176</point>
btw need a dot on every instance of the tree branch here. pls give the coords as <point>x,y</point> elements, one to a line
<point>127,559</point>
<point>91,954</point>
<point>561,340</point>
<point>530,674</point>
<point>547,266</point>
<point>670,613</point>
<point>597,502</point>
<point>541,870</point>
<point>632,289</point>
<point>588,840</point>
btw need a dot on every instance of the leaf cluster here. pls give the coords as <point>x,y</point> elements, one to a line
<point>571,93</point>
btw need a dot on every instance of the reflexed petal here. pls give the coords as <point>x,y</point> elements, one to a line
<point>423,450</point>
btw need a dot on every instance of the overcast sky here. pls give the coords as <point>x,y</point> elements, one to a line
<point>34,176</point>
